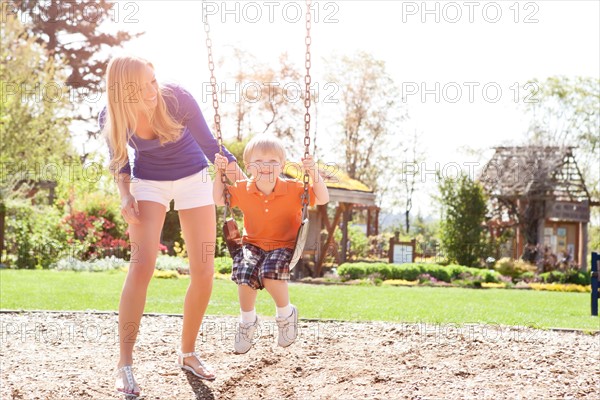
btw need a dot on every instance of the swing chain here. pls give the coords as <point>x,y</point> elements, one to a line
<point>215,101</point>
<point>307,81</point>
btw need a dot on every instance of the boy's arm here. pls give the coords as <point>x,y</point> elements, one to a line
<point>319,187</point>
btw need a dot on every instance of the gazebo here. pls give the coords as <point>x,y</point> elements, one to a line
<point>539,192</point>
<point>345,196</point>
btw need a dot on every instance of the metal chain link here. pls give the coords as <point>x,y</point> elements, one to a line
<point>215,101</point>
<point>307,81</point>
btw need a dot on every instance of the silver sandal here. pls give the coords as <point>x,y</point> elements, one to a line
<point>181,365</point>
<point>129,379</point>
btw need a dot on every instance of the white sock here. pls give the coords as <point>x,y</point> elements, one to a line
<point>284,312</point>
<point>248,316</point>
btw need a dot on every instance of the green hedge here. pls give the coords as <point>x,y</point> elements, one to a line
<point>223,265</point>
<point>33,236</point>
<point>572,276</point>
<point>411,272</point>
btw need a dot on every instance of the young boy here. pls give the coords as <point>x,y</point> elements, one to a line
<point>272,215</point>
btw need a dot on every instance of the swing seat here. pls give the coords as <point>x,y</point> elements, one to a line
<point>300,242</point>
<point>232,236</point>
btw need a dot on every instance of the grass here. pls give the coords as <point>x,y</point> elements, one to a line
<point>65,290</point>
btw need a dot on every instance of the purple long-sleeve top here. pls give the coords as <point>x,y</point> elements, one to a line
<point>175,160</point>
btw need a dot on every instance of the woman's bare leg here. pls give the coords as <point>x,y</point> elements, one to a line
<point>199,231</point>
<point>144,238</point>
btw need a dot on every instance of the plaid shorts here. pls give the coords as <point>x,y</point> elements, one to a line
<point>252,264</point>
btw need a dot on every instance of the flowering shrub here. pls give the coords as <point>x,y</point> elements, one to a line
<point>180,250</point>
<point>513,268</point>
<point>491,285</point>
<point>560,287</point>
<point>102,264</point>
<point>165,274</point>
<point>169,263</point>
<point>426,278</point>
<point>399,282</point>
<point>91,236</point>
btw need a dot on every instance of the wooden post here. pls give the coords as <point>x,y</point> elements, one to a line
<point>594,281</point>
<point>518,240</point>
<point>540,244</point>
<point>331,227</point>
<point>344,244</point>
<point>583,238</point>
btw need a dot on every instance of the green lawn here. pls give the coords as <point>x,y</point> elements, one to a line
<point>53,290</point>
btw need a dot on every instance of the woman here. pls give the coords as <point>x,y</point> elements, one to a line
<point>171,142</point>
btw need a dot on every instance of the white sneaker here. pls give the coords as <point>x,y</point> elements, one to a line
<point>288,328</point>
<point>244,335</point>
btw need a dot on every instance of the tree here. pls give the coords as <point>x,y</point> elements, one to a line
<point>34,138</point>
<point>463,214</point>
<point>400,178</point>
<point>367,106</point>
<point>70,32</point>
<point>566,112</point>
<point>244,90</point>
<point>265,97</point>
<point>425,233</point>
<point>35,107</point>
<point>282,106</point>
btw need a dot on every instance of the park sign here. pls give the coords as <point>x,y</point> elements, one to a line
<point>401,252</point>
<point>568,211</point>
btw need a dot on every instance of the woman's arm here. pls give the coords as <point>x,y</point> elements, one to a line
<point>198,127</point>
<point>122,174</point>
<point>129,205</point>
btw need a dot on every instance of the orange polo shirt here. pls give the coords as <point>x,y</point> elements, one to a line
<point>271,222</point>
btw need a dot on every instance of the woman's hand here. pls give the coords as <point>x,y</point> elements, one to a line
<point>221,162</point>
<point>129,209</point>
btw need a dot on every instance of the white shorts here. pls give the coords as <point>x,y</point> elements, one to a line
<point>189,192</point>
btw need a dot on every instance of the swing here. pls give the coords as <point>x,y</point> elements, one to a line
<point>231,232</point>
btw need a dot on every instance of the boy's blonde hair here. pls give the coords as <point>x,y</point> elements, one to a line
<point>123,87</point>
<point>266,143</point>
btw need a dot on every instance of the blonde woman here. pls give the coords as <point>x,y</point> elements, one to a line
<point>171,143</point>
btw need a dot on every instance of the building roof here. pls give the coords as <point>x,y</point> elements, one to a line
<point>534,172</point>
<point>341,187</point>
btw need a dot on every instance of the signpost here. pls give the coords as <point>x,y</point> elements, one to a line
<point>401,252</point>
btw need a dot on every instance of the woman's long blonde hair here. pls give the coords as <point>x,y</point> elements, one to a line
<point>124,76</point>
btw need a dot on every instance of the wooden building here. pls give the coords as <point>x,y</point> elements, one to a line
<point>539,193</point>
<point>346,196</point>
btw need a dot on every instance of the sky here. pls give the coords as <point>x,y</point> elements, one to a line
<point>457,64</point>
